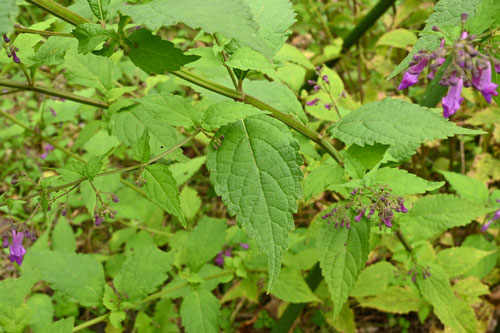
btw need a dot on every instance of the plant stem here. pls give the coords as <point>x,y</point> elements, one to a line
<point>403,241</point>
<point>322,20</point>
<point>42,33</point>
<point>53,92</point>
<point>59,11</point>
<point>91,322</point>
<point>105,173</point>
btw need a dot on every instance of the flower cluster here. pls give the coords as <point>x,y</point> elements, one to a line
<point>379,200</point>
<point>324,83</point>
<point>468,67</point>
<point>227,252</point>
<point>11,50</point>
<point>495,217</point>
<point>414,272</point>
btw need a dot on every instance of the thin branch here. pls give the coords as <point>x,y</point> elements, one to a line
<point>42,32</point>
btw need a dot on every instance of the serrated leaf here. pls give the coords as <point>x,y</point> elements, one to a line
<point>256,170</point>
<point>402,182</point>
<point>291,287</point>
<point>14,314</point>
<point>63,237</point>
<point>42,311</point>
<point>99,8</point>
<point>72,171</point>
<point>64,325</point>
<point>467,187</point>
<point>321,178</point>
<point>52,52</point>
<point>247,59</point>
<point>79,277</point>
<point>224,113</point>
<point>343,253</point>
<point>90,35</point>
<point>142,272</point>
<point>93,166</point>
<point>458,260</point>
<point>395,299</point>
<point>174,110</point>
<point>452,312</point>
<point>276,95</point>
<point>487,264</point>
<point>446,13</point>
<point>183,171</point>
<point>374,279</point>
<point>393,121</point>
<point>434,214</point>
<point>140,150</point>
<point>7,16</point>
<point>161,188</point>
<point>89,70</point>
<point>204,242</point>
<point>368,156</point>
<point>470,289</point>
<point>292,54</point>
<point>200,312</point>
<point>154,55</point>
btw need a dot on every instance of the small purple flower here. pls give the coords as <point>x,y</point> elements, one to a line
<point>486,225</point>
<point>316,87</point>
<point>47,148</point>
<point>115,198</point>
<point>5,243</point>
<point>15,57</point>
<point>481,80</point>
<point>245,246</point>
<point>311,82</point>
<point>411,75</point>
<point>53,111</point>
<point>359,216</point>
<point>387,221</point>
<point>5,38</point>
<point>44,155</point>
<point>451,103</point>
<point>17,250</point>
<point>325,78</point>
<point>219,259</point>
<point>98,220</point>
<point>328,107</point>
<point>64,213</point>
<point>497,67</point>
<point>313,102</point>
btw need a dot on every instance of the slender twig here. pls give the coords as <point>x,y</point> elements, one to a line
<point>59,11</point>
<point>91,322</point>
<point>229,69</point>
<point>42,32</point>
<point>53,92</point>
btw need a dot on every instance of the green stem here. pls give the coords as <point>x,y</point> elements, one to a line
<point>403,241</point>
<point>59,11</point>
<point>91,322</point>
<point>322,20</point>
<point>42,33</point>
<point>53,92</point>
<point>105,173</point>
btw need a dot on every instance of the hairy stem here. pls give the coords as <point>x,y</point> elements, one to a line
<point>59,11</point>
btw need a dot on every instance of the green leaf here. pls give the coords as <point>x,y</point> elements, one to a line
<point>93,167</point>
<point>343,256</point>
<point>63,237</point>
<point>470,289</point>
<point>395,299</point>
<point>321,178</point>
<point>61,326</point>
<point>90,35</point>
<point>401,182</point>
<point>155,55</point>
<point>79,277</point>
<point>292,54</point>
<point>458,260</point>
<point>434,214</point>
<point>204,242</point>
<point>190,202</point>
<point>14,314</point>
<point>72,170</point>
<point>256,170</point>
<point>487,13</point>
<point>292,288</point>
<point>260,25</point>
<point>162,190</point>
<point>467,187</point>
<point>99,8</point>
<point>452,312</point>
<point>200,312</point>
<point>140,150</point>
<point>368,156</point>
<point>374,279</point>
<point>392,122</point>
<point>399,38</point>
<point>184,171</point>
<point>52,52</point>
<point>142,272</point>
<point>486,265</point>
<point>89,70</point>
<point>276,95</point>
<point>173,110</point>
<point>42,311</point>
<point>8,15</point>
<point>225,113</point>
<point>446,13</point>
<point>247,59</point>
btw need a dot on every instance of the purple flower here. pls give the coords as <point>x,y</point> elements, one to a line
<point>6,39</point>
<point>486,225</point>
<point>311,82</point>
<point>359,216</point>
<point>328,107</point>
<point>53,111</point>
<point>387,221</point>
<point>497,67</point>
<point>481,80</point>
<point>15,57</point>
<point>98,220</point>
<point>5,243</point>
<point>44,156</point>
<point>313,102</point>
<point>245,246</point>
<point>219,259</point>
<point>227,252</point>
<point>115,198</point>
<point>412,74</point>
<point>17,250</point>
<point>46,150</point>
<point>452,101</point>
<point>325,78</point>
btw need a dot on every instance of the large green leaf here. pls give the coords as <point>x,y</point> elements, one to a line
<point>256,170</point>
<point>467,187</point>
<point>434,214</point>
<point>90,35</point>
<point>173,110</point>
<point>453,312</point>
<point>446,13</point>
<point>7,15</point>
<point>224,113</point>
<point>89,70</point>
<point>200,311</point>
<point>79,277</point>
<point>393,122</point>
<point>142,272</point>
<point>395,299</point>
<point>374,279</point>
<point>458,260</point>
<point>155,55</point>
<point>401,182</point>
<point>261,25</point>
<point>161,188</point>
<point>343,255</point>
